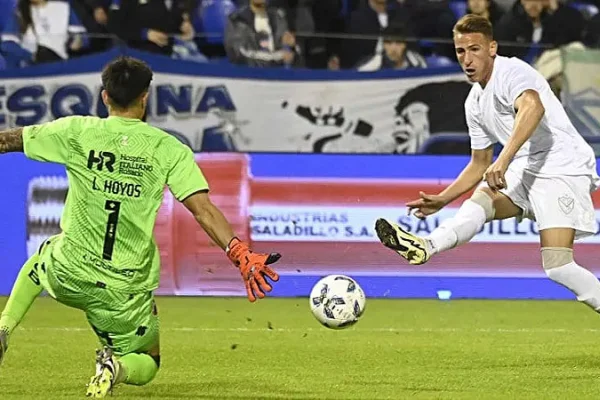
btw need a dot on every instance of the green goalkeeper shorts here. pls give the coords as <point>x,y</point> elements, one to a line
<point>127,323</point>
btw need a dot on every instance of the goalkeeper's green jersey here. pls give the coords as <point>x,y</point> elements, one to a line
<point>117,170</point>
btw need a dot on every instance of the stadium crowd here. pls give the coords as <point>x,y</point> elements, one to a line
<point>335,34</point>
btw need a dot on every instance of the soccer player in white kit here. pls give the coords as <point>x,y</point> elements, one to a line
<point>545,172</point>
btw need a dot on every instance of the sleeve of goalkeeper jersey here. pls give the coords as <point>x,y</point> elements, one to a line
<point>185,177</point>
<point>50,141</point>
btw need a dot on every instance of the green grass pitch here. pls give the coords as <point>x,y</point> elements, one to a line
<point>221,348</point>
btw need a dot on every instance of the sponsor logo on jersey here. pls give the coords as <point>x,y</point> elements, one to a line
<point>100,160</point>
<point>127,165</point>
<point>133,165</point>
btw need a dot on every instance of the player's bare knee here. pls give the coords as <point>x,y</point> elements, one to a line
<point>486,201</point>
<point>557,237</point>
<point>554,257</point>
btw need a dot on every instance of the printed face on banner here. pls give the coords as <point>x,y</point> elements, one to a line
<point>412,128</point>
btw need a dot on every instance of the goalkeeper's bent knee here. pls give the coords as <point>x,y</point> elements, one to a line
<point>139,369</point>
<point>486,202</point>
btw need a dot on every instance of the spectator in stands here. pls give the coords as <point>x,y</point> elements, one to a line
<point>311,18</point>
<point>432,19</point>
<point>534,22</point>
<point>566,22</point>
<point>94,17</point>
<point>150,25</point>
<point>13,54</point>
<point>52,29</point>
<point>397,54</point>
<point>368,20</point>
<point>258,36</point>
<point>592,38</point>
<point>522,24</point>
<point>329,19</point>
<point>485,8</point>
<point>299,18</point>
<point>298,14</point>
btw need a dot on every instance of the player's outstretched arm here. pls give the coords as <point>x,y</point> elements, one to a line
<point>253,266</point>
<point>11,140</point>
<point>210,218</point>
<point>470,176</point>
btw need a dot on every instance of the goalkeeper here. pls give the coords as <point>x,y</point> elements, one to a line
<point>105,262</point>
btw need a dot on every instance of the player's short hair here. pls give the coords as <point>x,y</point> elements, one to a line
<point>125,80</point>
<point>472,23</point>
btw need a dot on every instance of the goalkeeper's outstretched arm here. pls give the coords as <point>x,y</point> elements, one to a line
<point>11,140</point>
<point>210,218</point>
<point>253,266</point>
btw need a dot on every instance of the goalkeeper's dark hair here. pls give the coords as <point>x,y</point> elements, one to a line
<point>125,80</point>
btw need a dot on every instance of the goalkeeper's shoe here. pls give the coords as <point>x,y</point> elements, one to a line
<point>106,373</point>
<point>3,344</point>
<point>413,248</point>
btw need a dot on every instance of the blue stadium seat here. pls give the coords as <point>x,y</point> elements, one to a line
<point>588,10</point>
<point>210,18</point>
<point>533,53</point>
<point>2,63</point>
<point>439,61</point>
<point>459,8</point>
<point>345,8</point>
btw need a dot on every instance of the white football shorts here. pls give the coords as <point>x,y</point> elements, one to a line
<point>554,201</point>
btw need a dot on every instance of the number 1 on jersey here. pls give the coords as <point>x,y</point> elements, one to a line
<point>113,208</point>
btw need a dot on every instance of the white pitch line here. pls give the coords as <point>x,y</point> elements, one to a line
<point>381,330</point>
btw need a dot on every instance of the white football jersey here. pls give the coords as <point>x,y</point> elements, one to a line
<point>555,148</point>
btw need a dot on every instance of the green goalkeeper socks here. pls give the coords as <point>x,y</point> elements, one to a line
<point>26,289</point>
<point>138,369</point>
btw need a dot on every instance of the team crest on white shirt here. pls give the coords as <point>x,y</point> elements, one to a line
<point>566,203</point>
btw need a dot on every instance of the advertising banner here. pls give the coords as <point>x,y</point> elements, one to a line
<point>318,211</point>
<point>225,108</point>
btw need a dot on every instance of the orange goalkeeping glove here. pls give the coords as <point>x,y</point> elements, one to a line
<point>253,267</point>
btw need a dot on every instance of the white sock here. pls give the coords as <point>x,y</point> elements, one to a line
<point>579,281</point>
<point>459,229</point>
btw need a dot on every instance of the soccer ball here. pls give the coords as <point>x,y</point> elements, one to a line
<point>337,301</point>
